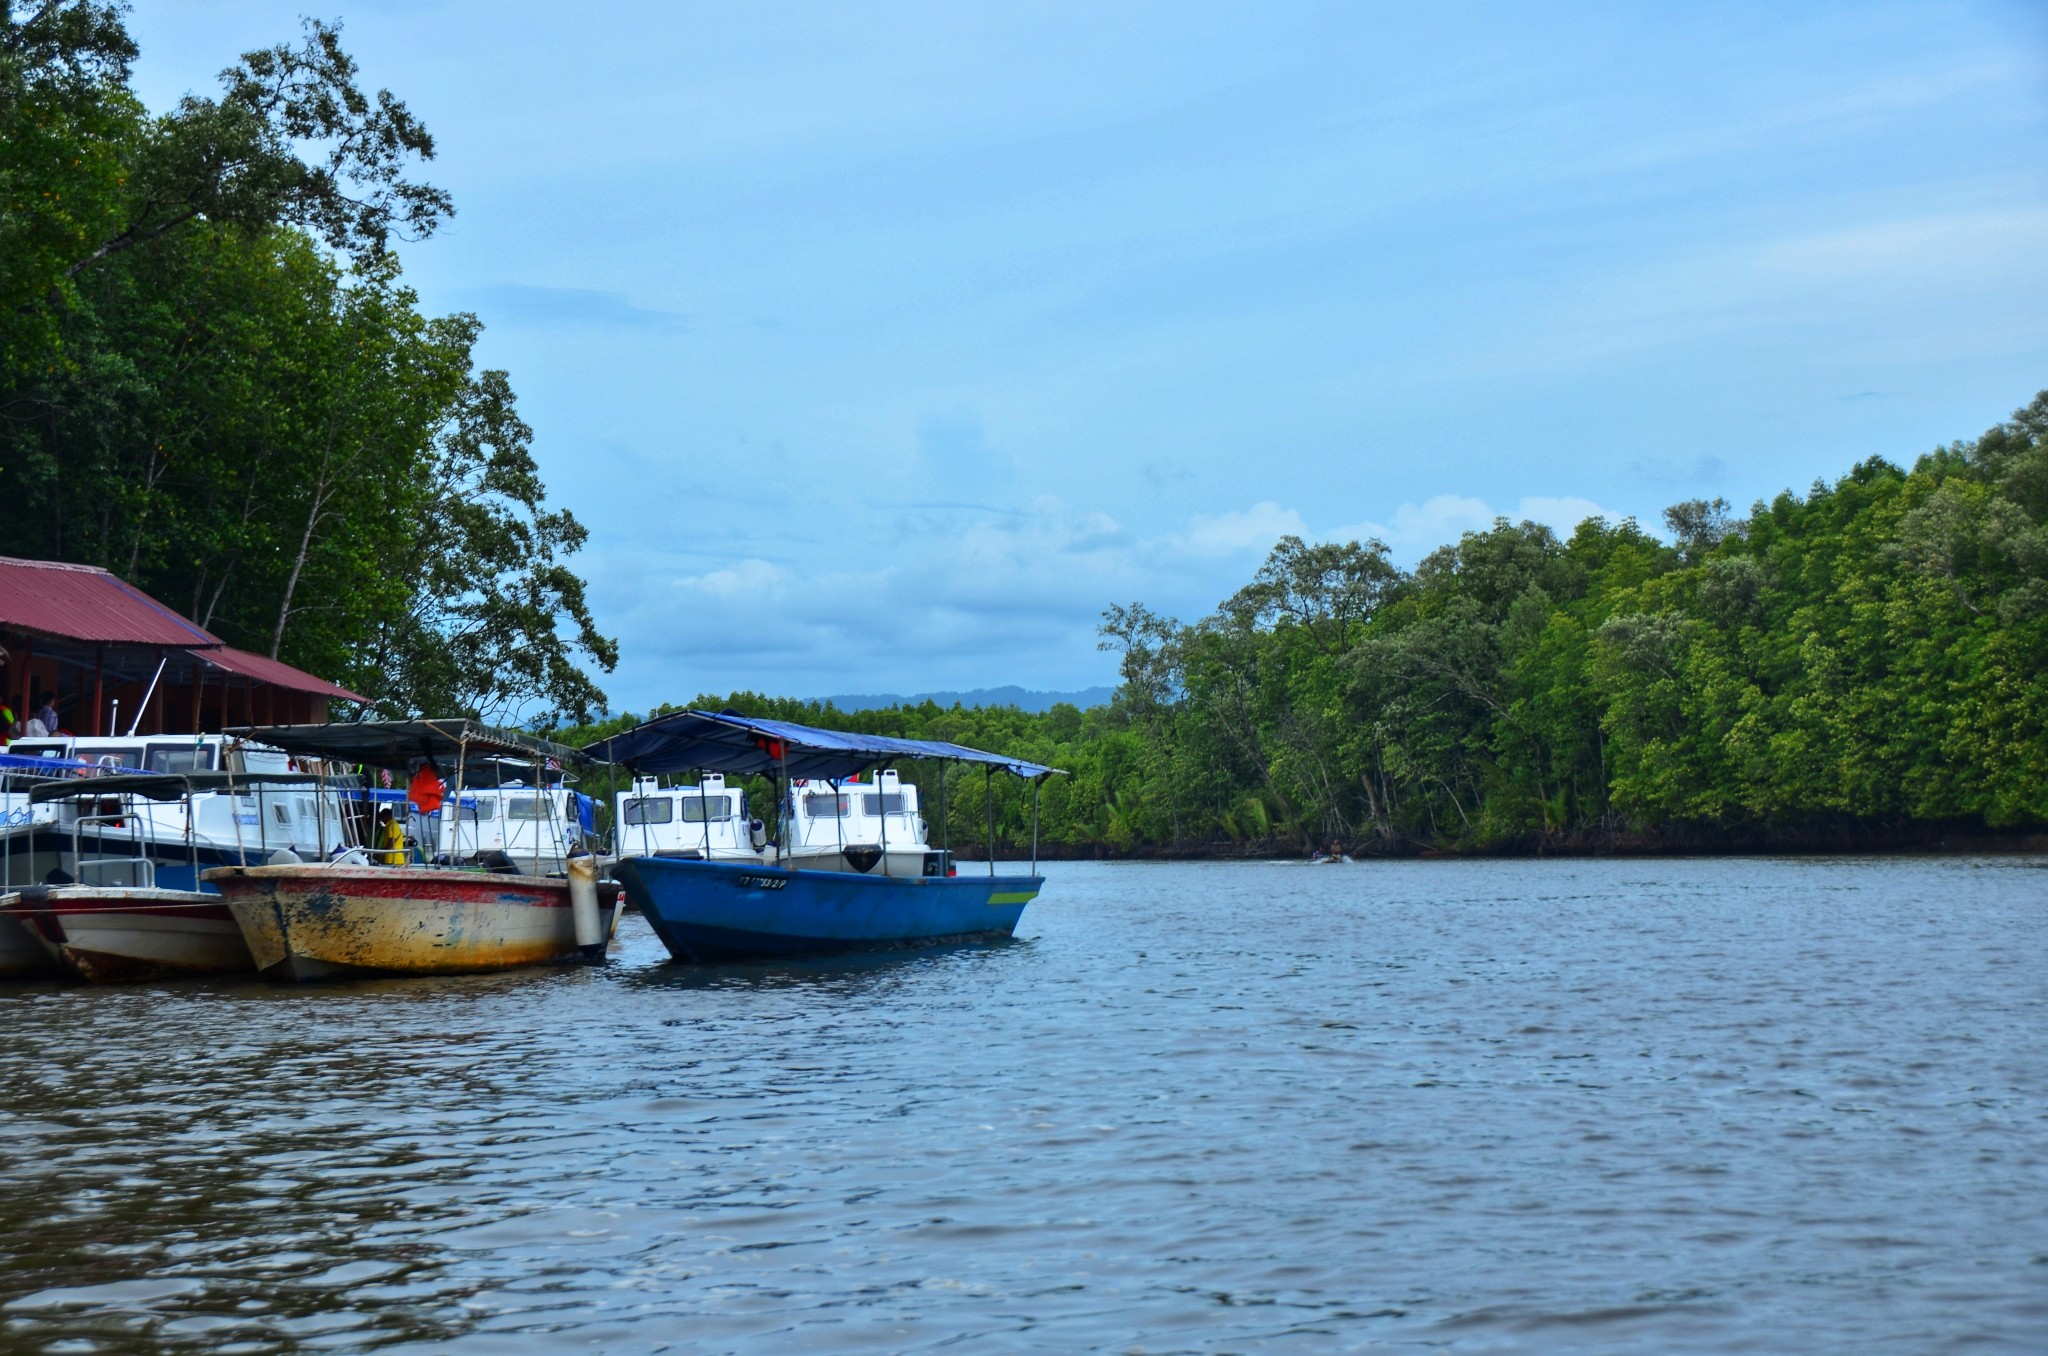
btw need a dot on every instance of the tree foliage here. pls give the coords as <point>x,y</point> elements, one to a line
<point>1844,666</point>
<point>216,383</point>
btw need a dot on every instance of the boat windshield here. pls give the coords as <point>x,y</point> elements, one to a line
<point>697,809</point>
<point>820,805</point>
<point>886,803</point>
<point>650,810</point>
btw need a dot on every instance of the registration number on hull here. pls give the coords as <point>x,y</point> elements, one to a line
<point>760,882</point>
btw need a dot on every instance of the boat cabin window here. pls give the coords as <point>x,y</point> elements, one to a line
<point>886,803</point>
<point>819,805</point>
<point>180,758</point>
<point>129,756</point>
<point>21,750</point>
<point>650,810</point>
<point>697,809</point>
<point>523,807</point>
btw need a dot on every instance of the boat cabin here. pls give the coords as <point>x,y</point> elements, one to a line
<point>709,819</point>
<point>528,824</point>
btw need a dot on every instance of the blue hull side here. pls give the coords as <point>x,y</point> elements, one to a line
<point>706,911</point>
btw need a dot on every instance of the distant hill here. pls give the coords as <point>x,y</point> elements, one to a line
<point>1023,698</point>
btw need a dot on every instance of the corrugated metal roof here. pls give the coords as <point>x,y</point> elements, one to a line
<point>86,604</point>
<point>274,672</point>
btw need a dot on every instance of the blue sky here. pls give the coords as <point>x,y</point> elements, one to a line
<point>882,346</point>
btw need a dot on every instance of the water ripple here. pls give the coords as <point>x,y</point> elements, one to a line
<point>1594,1106</point>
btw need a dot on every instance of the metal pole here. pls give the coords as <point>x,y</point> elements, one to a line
<point>882,806</point>
<point>988,793</point>
<point>839,817</point>
<point>461,771</point>
<point>783,805</point>
<point>704,812</point>
<point>1036,784</point>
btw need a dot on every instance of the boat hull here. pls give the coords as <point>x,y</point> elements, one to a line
<point>114,935</point>
<point>315,922</point>
<point>21,955</point>
<point>711,911</point>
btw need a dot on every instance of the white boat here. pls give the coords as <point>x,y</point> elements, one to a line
<point>115,934</point>
<point>535,827</point>
<point>708,821</point>
<point>865,827</point>
<point>226,820</point>
<point>105,914</point>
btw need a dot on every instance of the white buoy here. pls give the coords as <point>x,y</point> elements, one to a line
<point>583,903</point>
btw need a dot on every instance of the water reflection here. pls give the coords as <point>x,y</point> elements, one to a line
<point>1478,1106</point>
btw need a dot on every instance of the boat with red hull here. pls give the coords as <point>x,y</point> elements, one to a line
<point>314,921</point>
<point>123,934</point>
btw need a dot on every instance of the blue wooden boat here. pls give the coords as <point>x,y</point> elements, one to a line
<point>711,910</point>
<point>714,911</point>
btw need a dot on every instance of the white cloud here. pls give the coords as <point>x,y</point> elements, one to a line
<point>947,600</point>
<point>1417,529</point>
<point>1257,527</point>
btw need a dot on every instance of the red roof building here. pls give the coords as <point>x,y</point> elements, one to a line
<point>112,658</point>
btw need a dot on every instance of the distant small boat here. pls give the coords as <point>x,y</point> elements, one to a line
<point>832,884</point>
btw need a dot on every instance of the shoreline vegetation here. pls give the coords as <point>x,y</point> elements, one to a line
<point>214,383</point>
<point>1860,669</point>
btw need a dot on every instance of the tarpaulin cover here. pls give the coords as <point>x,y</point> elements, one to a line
<point>686,741</point>
<point>395,743</point>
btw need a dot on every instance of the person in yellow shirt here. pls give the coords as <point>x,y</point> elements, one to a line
<point>390,839</point>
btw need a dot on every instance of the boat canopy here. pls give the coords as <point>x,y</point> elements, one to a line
<point>683,741</point>
<point>395,743</point>
<point>163,785</point>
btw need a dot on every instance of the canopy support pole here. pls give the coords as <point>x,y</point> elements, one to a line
<point>461,769</point>
<point>1037,783</point>
<point>783,803</point>
<point>988,794</point>
<point>704,812</point>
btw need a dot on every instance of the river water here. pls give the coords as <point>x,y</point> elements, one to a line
<point>1712,1106</point>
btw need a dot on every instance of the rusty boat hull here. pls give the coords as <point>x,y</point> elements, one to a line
<point>21,955</point>
<point>309,922</point>
<point>126,934</point>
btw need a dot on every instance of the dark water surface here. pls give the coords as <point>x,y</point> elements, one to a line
<point>1774,1106</point>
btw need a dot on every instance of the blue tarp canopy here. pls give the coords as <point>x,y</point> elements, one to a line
<point>683,741</point>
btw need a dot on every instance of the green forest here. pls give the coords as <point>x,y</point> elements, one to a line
<point>1862,666</point>
<point>215,383</point>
